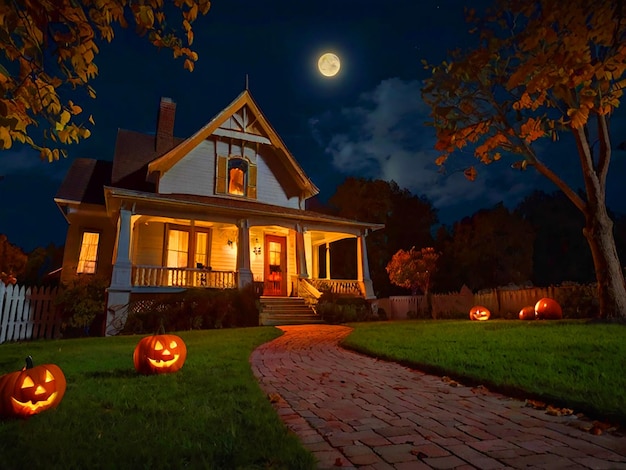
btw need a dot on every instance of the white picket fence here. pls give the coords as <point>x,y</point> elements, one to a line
<point>28,313</point>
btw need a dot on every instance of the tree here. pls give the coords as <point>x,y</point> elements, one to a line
<point>50,47</point>
<point>492,248</point>
<point>407,218</point>
<point>560,251</point>
<point>413,269</point>
<point>540,69</point>
<point>12,261</point>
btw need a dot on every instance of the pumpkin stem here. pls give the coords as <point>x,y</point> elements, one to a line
<point>29,362</point>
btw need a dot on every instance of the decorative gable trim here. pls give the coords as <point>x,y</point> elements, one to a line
<point>259,139</point>
<point>169,159</point>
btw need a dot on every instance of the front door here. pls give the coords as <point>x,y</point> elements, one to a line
<point>275,266</point>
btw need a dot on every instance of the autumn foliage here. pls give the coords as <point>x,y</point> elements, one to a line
<point>413,269</point>
<point>50,46</point>
<point>539,70</point>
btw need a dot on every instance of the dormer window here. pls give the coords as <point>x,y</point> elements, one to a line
<point>237,176</point>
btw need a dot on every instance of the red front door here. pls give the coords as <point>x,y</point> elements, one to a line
<point>275,266</point>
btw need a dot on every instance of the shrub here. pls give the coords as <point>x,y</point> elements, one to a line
<point>79,303</point>
<point>578,300</point>
<point>336,308</point>
<point>194,309</point>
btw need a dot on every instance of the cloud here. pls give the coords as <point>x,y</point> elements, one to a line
<point>383,136</point>
<point>21,160</point>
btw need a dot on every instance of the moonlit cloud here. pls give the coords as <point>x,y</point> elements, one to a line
<point>383,136</point>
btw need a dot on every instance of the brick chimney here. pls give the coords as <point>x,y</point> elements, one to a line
<point>165,125</point>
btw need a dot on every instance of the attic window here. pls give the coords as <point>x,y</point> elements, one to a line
<point>237,176</point>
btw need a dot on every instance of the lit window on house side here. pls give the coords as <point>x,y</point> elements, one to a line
<point>88,253</point>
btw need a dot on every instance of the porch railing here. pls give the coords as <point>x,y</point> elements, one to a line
<point>338,286</point>
<point>161,276</point>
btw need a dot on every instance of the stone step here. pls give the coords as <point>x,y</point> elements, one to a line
<point>286,311</point>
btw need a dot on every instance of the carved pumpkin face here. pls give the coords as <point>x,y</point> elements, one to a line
<point>160,354</point>
<point>479,313</point>
<point>31,390</point>
<point>548,309</point>
<point>527,313</point>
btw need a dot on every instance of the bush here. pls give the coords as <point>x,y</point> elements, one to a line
<point>194,309</point>
<point>79,303</point>
<point>578,300</point>
<point>335,308</point>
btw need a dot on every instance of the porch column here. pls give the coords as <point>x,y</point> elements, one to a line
<point>118,294</point>
<point>327,260</point>
<point>300,253</point>
<point>243,254</point>
<point>363,269</point>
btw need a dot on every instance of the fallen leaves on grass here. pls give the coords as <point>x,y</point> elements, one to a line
<point>449,381</point>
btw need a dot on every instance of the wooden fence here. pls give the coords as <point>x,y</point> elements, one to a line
<point>502,303</point>
<point>28,313</point>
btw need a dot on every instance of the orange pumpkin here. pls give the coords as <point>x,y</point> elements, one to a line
<point>160,354</point>
<point>31,390</point>
<point>479,313</point>
<point>548,309</point>
<point>527,313</point>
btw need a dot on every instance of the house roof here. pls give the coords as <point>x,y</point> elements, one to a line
<point>170,158</point>
<point>84,181</point>
<point>245,207</point>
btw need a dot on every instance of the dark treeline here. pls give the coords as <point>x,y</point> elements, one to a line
<point>34,268</point>
<point>539,242</point>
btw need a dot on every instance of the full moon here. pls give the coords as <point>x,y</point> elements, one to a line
<point>329,64</point>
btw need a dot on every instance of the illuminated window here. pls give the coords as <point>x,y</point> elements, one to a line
<point>237,172</point>
<point>88,253</point>
<point>186,248</point>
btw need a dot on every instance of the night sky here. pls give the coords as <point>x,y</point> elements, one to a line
<point>367,121</point>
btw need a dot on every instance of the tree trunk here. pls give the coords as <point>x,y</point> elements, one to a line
<point>611,288</point>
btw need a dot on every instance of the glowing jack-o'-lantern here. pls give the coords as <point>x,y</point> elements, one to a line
<point>31,390</point>
<point>527,313</point>
<point>548,309</point>
<point>479,313</point>
<point>160,354</point>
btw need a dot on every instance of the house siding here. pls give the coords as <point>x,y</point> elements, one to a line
<point>79,223</point>
<point>195,173</point>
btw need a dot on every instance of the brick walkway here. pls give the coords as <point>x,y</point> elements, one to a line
<point>354,411</point>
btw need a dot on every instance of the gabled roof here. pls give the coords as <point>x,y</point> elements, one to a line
<point>170,158</point>
<point>84,182</point>
<point>133,152</point>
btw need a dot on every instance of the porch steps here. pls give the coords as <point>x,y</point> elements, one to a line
<point>277,311</point>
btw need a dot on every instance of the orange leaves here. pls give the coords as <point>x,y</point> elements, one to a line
<point>412,269</point>
<point>532,130</point>
<point>470,173</point>
<point>578,116</point>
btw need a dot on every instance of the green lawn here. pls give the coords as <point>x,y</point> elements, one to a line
<point>575,364</point>
<point>211,414</point>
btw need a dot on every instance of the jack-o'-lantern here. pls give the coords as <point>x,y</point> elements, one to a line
<point>31,390</point>
<point>548,309</point>
<point>527,313</point>
<point>160,354</point>
<point>479,313</point>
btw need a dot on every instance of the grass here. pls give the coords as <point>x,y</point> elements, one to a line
<point>211,414</point>
<point>575,364</point>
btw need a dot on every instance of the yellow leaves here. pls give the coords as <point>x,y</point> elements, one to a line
<point>5,138</point>
<point>63,120</point>
<point>578,117</point>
